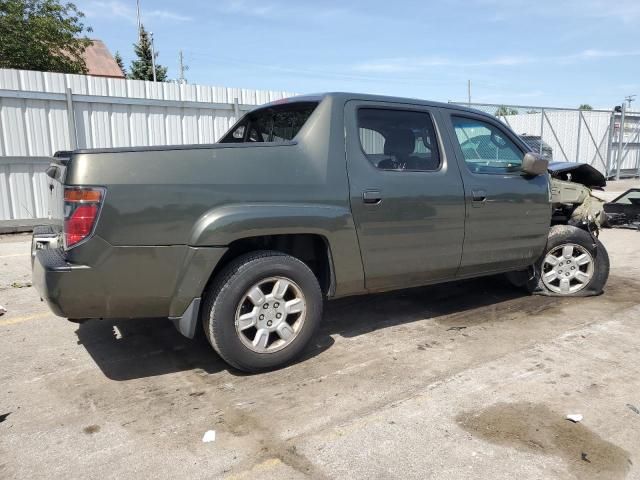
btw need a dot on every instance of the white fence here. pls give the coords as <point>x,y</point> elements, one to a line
<point>41,113</point>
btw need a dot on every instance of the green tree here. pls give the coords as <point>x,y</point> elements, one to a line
<point>142,68</point>
<point>585,106</point>
<point>120,63</point>
<point>44,35</point>
<point>503,110</point>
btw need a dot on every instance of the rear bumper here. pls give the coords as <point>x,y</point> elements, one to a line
<point>100,280</point>
<point>60,283</point>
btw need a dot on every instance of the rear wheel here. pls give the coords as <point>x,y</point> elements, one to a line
<point>262,310</point>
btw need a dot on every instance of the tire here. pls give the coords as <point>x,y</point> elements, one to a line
<point>228,309</point>
<point>585,246</point>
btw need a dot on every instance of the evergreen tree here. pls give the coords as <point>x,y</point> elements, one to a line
<point>142,68</point>
<point>120,63</point>
<point>585,106</point>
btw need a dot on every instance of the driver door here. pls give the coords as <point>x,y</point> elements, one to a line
<point>507,214</point>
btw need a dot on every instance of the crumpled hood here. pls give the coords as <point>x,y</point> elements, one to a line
<point>577,172</point>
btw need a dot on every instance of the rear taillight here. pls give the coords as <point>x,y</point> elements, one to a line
<point>81,209</point>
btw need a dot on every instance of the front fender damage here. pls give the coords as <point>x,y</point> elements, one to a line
<point>575,204</point>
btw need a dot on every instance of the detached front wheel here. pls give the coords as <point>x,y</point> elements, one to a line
<point>262,310</point>
<point>574,263</point>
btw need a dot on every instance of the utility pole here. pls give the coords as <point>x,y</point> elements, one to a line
<point>469,91</point>
<point>182,68</point>
<point>138,17</point>
<point>620,140</point>
<point>153,56</point>
<point>629,99</point>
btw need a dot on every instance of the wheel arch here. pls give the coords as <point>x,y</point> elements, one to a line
<point>328,230</point>
<point>312,249</point>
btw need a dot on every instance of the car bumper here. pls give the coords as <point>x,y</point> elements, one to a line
<point>60,283</point>
<point>100,280</point>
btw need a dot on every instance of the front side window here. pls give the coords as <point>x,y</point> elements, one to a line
<point>485,147</point>
<point>275,124</point>
<point>398,139</point>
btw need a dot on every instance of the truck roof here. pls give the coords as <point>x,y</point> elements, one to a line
<point>346,96</point>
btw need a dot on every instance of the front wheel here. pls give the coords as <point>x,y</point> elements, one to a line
<point>574,263</point>
<point>262,310</point>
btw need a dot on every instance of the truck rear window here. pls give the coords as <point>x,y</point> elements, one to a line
<point>274,124</point>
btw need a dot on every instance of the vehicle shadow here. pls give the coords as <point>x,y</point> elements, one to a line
<point>128,349</point>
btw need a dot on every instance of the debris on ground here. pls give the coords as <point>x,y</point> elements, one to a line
<point>633,408</point>
<point>455,328</point>
<point>583,455</point>
<point>209,436</point>
<point>2,310</point>
<point>4,416</point>
<point>575,417</point>
<point>20,284</point>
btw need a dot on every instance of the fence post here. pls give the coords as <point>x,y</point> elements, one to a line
<point>236,108</point>
<point>71,120</point>
<point>580,120</point>
<point>620,140</point>
<point>541,128</point>
<point>612,123</point>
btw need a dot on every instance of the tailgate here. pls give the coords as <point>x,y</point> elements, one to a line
<point>49,236</point>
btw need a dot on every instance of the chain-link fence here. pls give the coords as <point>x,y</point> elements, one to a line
<point>607,140</point>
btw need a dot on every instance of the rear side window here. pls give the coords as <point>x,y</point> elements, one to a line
<point>400,140</point>
<point>485,147</point>
<point>276,124</point>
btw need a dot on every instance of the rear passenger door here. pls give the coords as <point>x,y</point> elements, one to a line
<point>508,214</point>
<point>406,194</point>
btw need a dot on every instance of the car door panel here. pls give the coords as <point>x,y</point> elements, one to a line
<point>508,214</point>
<point>410,224</point>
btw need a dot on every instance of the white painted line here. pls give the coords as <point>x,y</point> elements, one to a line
<point>13,321</point>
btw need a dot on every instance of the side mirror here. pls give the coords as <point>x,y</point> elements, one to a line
<point>534,164</point>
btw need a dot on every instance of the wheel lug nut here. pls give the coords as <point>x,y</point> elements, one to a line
<point>265,306</point>
<point>276,305</point>
<point>278,315</point>
<point>261,317</point>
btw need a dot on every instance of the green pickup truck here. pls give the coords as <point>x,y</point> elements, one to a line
<point>312,198</point>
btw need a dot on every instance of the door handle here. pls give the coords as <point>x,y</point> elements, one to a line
<point>372,197</point>
<point>478,196</point>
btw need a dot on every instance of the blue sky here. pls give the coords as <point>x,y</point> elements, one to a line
<point>529,52</point>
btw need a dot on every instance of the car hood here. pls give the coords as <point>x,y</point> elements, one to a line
<point>577,172</point>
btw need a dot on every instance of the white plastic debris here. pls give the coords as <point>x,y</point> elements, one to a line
<point>575,417</point>
<point>209,436</point>
<point>2,310</point>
